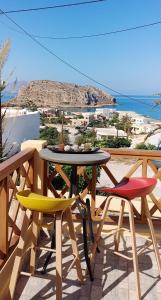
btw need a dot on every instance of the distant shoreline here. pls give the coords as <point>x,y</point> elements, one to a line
<point>88,106</point>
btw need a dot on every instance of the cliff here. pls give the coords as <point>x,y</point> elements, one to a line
<point>46,93</point>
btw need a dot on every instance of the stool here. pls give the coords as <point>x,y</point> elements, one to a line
<point>127,190</point>
<point>36,204</point>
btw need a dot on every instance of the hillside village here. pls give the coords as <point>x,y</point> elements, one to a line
<point>101,127</point>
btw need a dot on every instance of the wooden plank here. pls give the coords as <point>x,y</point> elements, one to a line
<point>133,153</point>
<point>62,174</point>
<point>134,168</point>
<point>4,198</point>
<point>11,164</point>
<point>110,175</point>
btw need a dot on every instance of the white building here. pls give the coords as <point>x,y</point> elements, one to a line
<point>103,133</point>
<point>142,128</point>
<point>18,126</point>
<point>107,112</point>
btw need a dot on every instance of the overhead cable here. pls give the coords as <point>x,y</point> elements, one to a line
<point>51,7</point>
<point>70,65</point>
<point>88,35</point>
<point>97,34</point>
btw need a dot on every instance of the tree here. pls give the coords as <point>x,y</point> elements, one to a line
<point>30,105</point>
<point>125,124</point>
<point>153,131</point>
<point>50,134</point>
<point>4,52</point>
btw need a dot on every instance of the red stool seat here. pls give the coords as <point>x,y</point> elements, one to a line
<point>130,188</point>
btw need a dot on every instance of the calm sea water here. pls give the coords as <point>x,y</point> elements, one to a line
<point>8,96</point>
<point>140,104</point>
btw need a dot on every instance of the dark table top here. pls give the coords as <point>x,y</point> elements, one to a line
<point>81,159</point>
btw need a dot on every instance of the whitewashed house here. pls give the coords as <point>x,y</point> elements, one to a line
<point>107,112</point>
<point>18,126</point>
<point>105,133</point>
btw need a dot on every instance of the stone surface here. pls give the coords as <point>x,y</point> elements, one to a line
<point>47,93</point>
<point>113,276</point>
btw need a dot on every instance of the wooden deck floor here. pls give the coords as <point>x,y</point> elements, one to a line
<point>113,276</point>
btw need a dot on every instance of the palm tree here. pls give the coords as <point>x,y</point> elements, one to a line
<point>4,52</point>
<point>151,133</point>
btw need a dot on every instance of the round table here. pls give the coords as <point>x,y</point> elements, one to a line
<point>80,159</point>
<point>76,159</point>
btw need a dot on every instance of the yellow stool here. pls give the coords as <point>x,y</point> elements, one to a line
<point>36,204</point>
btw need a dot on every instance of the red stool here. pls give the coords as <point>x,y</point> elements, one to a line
<point>127,190</point>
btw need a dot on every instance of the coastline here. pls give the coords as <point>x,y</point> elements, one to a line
<point>88,106</point>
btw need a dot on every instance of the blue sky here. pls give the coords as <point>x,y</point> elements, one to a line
<point>129,62</point>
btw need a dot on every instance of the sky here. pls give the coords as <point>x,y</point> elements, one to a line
<point>128,62</point>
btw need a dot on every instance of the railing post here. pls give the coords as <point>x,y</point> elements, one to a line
<point>4,199</point>
<point>39,178</point>
<point>144,174</point>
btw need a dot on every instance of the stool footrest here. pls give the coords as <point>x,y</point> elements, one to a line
<point>71,266</point>
<point>26,274</point>
<point>144,247</point>
<point>122,255</point>
<point>46,249</point>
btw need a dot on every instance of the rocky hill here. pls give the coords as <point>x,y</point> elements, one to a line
<point>46,93</point>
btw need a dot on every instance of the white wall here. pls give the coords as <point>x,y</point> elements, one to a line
<point>19,128</point>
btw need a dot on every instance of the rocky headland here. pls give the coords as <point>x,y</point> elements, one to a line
<point>47,93</point>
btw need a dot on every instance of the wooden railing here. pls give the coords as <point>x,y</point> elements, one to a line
<point>15,174</point>
<point>23,171</point>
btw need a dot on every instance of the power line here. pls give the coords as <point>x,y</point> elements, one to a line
<point>98,34</point>
<point>90,35</point>
<point>70,65</point>
<point>51,7</point>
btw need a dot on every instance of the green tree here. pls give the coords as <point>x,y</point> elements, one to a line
<point>114,120</point>
<point>125,124</point>
<point>50,134</point>
<point>30,105</point>
<point>43,118</point>
<point>89,136</point>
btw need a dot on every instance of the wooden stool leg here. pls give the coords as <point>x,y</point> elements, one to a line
<point>58,224</point>
<point>34,241</point>
<point>134,252</point>
<point>19,254</point>
<point>118,233</point>
<point>74,244</point>
<point>152,233</point>
<point>100,227</point>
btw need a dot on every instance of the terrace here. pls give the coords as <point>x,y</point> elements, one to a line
<point>113,276</point>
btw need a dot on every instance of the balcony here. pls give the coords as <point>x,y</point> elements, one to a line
<point>113,276</point>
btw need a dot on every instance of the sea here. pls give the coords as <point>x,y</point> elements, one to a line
<point>144,105</point>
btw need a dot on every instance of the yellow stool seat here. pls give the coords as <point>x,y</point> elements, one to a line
<point>41,203</point>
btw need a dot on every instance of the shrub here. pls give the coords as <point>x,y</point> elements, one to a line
<point>59,183</point>
<point>145,146</point>
<point>116,142</point>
